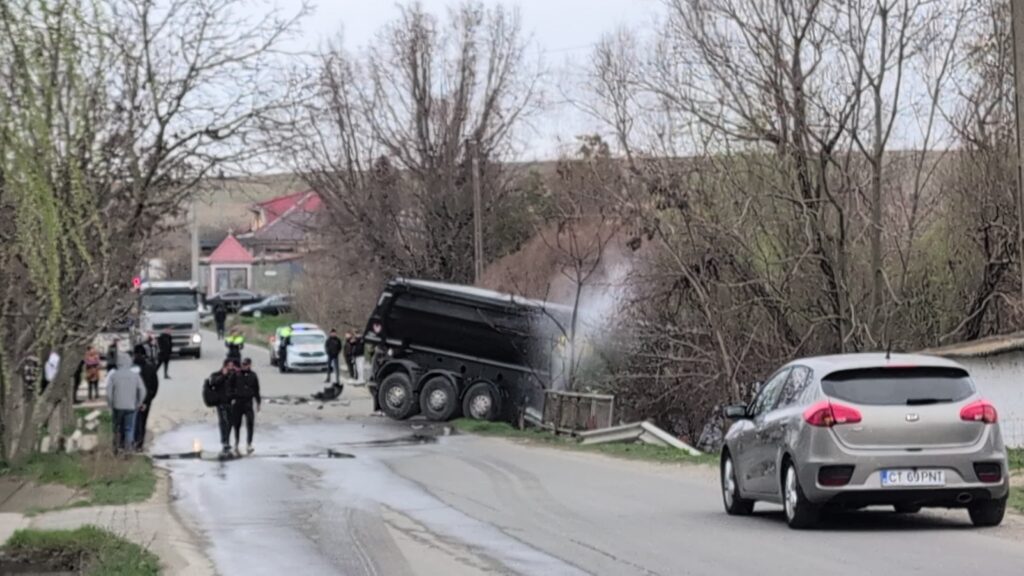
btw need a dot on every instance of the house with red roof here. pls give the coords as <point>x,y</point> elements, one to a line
<point>229,267</point>
<point>282,226</point>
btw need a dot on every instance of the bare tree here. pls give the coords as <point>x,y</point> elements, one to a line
<point>111,114</point>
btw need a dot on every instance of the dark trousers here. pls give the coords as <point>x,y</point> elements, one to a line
<point>224,422</point>
<point>333,367</point>
<point>124,430</point>
<point>164,361</point>
<point>140,427</point>
<point>350,363</point>
<point>220,330</point>
<point>94,389</point>
<point>243,409</point>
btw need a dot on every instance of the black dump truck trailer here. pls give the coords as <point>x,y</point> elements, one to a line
<point>447,350</point>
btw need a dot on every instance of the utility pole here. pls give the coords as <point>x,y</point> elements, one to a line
<point>478,229</point>
<point>194,243</point>
<point>1017,18</point>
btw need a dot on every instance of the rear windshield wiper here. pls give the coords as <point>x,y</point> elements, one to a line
<point>924,401</point>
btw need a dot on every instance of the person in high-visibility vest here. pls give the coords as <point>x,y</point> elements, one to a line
<point>282,347</point>
<point>235,342</point>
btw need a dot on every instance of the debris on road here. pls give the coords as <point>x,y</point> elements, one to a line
<point>645,432</point>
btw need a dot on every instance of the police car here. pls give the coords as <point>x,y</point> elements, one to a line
<point>276,337</point>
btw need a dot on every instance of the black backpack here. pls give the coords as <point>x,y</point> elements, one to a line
<point>213,392</point>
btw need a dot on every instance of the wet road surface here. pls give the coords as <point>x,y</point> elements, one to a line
<point>464,505</point>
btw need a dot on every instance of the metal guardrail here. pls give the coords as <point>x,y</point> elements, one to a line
<point>572,412</point>
<point>638,431</point>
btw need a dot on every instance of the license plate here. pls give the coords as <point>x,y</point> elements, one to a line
<point>909,477</point>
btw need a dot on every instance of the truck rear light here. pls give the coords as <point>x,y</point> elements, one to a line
<point>835,475</point>
<point>827,414</point>
<point>988,472</point>
<point>980,411</point>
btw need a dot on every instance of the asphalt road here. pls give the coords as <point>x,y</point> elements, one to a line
<point>333,490</point>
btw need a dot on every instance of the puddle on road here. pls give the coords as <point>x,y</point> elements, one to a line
<point>412,440</point>
<point>343,506</point>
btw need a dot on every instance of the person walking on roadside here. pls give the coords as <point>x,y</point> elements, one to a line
<point>217,394</point>
<point>125,395</point>
<point>152,348</point>
<point>76,381</point>
<point>235,342</point>
<point>112,352</point>
<point>165,346</point>
<point>333,348</point>
<point>220,316</point>
<point>282,348</point>
<point>245,390</point>
<point>151,380</point>
<point>92,373</point>
<point>346,351</point>
<point>358,349</point>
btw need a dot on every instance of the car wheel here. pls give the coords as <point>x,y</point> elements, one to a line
<point>800,513</point>
<point>396,396</point>
<point>481,402</point>
<point>907,508</point>
<point>987,512</point>
<point>734,504</point>
<point>439,400</point>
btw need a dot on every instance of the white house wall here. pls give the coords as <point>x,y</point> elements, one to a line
<point>1001,380</point>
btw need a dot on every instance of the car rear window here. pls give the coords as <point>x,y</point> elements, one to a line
<point>899,386</point>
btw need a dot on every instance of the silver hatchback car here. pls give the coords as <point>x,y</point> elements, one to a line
<point>857,430</point>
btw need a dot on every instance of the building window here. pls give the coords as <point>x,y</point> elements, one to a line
<point>231,279</point>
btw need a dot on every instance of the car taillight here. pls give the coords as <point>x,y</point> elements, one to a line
<point>827,414</point>
<point>980,411</point>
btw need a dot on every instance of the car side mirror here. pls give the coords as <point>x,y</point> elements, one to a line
<point>736,412</point>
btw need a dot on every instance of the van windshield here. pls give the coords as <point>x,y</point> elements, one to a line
<point>170,302</point>
<point>899,386</point>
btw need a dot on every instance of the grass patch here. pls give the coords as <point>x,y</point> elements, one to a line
<point>644,452</point>
<point>1017,499</point>
<point>261,328</point>
<point>1016,458</point>
<point>87,550</point>
<point>101,477</point>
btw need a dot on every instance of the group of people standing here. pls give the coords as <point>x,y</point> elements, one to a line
<point>132,385</point>
<point>234,391</point>
<point>351,349</point>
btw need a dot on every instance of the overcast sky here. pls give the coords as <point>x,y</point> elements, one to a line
<point>563,30</point>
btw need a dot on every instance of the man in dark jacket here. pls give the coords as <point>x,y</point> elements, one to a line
<point>217,394</point>
<point>350,361</point>
<point>220,316</point>
<point>112,355</point>
<point>151,380</point>
<point>333,348</point>
<point>245,390</point>
<point>164,345</point>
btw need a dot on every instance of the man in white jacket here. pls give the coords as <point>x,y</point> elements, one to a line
<point>125,393</point>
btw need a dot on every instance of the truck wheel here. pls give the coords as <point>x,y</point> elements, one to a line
<point>439,399</point>
<point>481,402</point>
<point>396,396</point>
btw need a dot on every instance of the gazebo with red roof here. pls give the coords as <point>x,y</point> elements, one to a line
<point>230,267</point>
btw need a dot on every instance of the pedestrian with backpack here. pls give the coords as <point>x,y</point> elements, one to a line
<point>217,394</point>
<point>244,392</point>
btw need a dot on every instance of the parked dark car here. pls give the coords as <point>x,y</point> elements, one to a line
<point>233,299</point>
<point>270,306</point>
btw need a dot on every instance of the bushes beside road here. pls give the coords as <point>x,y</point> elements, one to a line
<point>88,550</point>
